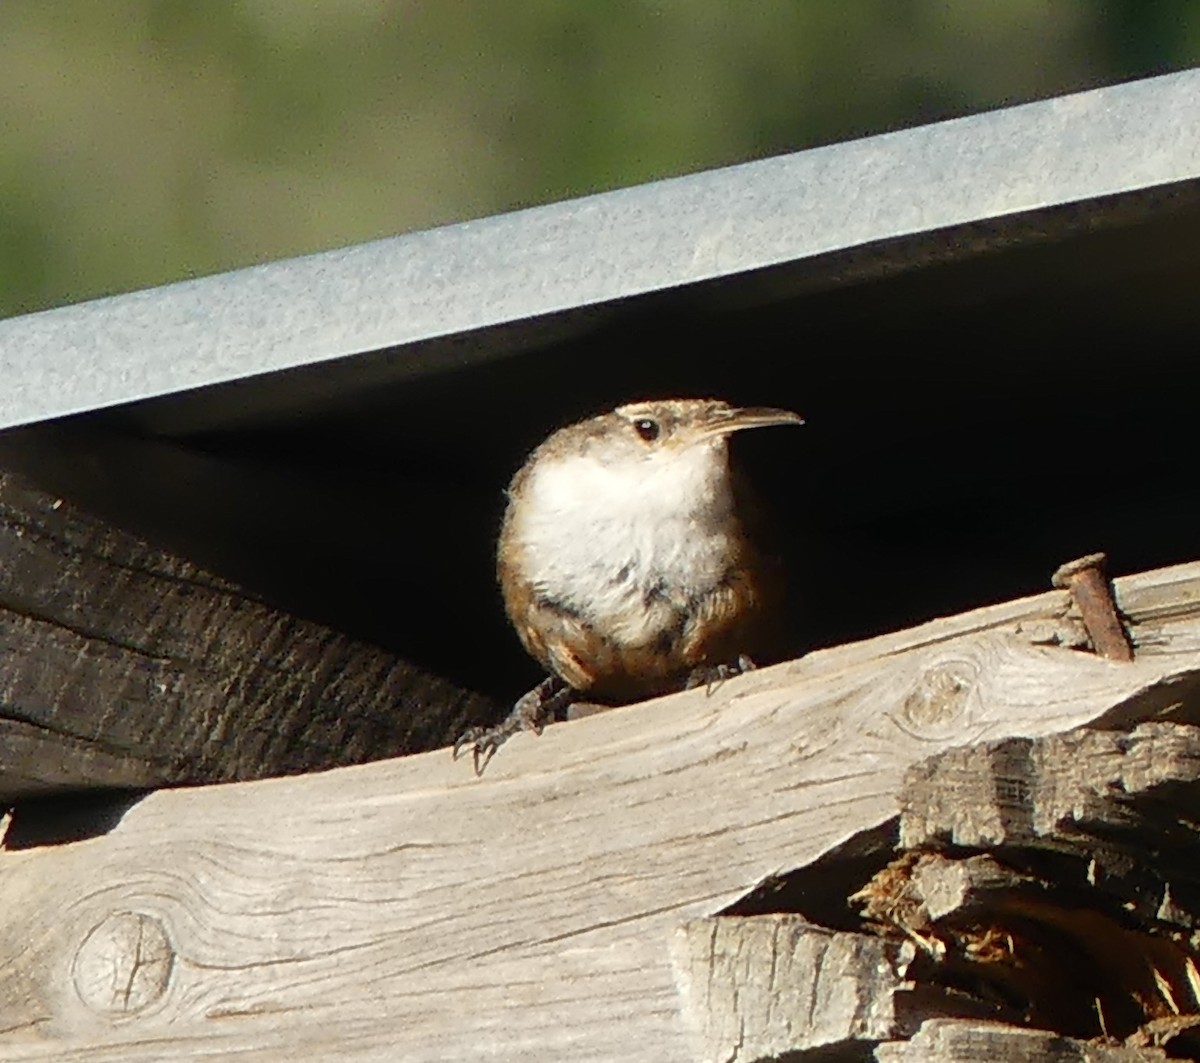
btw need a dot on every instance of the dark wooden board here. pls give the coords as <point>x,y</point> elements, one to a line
<point>123,666</point>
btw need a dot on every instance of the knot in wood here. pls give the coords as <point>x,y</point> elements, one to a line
<point>124,964</point>
<point>940,695</point>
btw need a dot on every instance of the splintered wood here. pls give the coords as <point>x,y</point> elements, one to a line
<point>1081,914</point>
<point>568,904</point>
<point>1050,884</point>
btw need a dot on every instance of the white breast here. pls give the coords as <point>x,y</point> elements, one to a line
<point>626,546</point>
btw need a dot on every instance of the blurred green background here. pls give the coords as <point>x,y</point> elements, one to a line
<point>149,140</point>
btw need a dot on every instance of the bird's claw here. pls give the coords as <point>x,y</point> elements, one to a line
<point>711,676</point>
<point>483,743</point>
<point>531,713</point>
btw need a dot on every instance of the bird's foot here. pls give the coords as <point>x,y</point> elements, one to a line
<point>711,676</point>
<point>531,713</point>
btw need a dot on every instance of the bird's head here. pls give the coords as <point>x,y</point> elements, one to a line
<point>664,427</point>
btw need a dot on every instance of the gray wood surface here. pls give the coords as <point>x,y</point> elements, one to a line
<point>1054,881</point>
<point>961,1041</point>
<point>772,984</point>
<point>1047,883</point>
<point>407,910</point>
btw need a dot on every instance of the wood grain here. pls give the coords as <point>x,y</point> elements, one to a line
<point>407,910</point>
<point>768,985</point>
<point>122,665</point>
<point>963,1041</point>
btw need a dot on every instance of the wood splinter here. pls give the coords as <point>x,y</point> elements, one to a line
<point>1092,594</point>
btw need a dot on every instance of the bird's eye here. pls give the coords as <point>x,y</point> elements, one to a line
<point>646,428</point>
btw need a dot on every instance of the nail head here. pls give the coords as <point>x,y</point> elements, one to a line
<point>1064,574</point>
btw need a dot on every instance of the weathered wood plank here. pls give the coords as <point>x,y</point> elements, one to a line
<point>1066,794</point>
<point>125,666</point>
<point>768,985</point>
<point>1046,882</point>
<point>960,1041</point>
<point>409,909</point>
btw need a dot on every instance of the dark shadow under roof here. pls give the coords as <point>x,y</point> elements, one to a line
<point>990,324</point>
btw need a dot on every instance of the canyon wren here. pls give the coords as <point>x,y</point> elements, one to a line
<point>629,560</point>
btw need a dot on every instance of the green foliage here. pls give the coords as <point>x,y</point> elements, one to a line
<point>150,140</point>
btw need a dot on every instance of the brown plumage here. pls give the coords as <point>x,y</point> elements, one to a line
<point>629,560</point>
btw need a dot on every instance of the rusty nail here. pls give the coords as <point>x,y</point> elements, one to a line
<point>1090,590</point>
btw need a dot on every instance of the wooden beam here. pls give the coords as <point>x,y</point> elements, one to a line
<point>770,985</point>
<point>407,909</point>
<point>962,1041</point>
<point>122,665</point>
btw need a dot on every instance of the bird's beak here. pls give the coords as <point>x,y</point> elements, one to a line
<point>726,422</point>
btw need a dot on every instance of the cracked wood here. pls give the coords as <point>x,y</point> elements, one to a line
<point>409,908</point>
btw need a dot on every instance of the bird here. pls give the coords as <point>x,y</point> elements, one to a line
<point>631,560</point>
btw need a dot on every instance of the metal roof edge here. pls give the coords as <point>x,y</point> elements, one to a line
<point>511,267</point>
